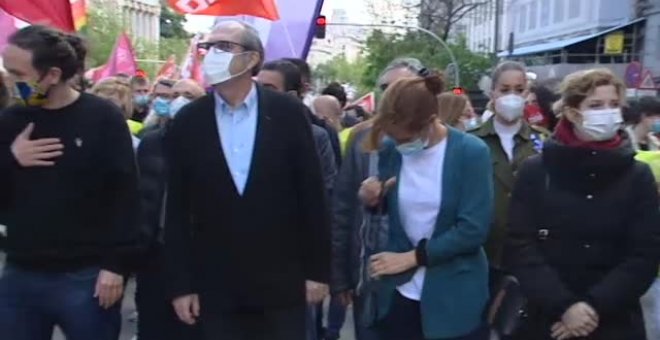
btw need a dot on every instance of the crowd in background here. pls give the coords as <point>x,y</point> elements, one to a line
<point>242,207</point>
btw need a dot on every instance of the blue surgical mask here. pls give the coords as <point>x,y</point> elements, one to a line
<point>655,127</point>
<point>162,107</point>
<point>471,123</point>
<point>412,148</point>
<point>141,100</point>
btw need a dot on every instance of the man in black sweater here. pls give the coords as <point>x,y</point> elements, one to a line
<point>69,184</point>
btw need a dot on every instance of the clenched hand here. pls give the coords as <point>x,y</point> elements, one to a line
<point>109,288</point>
<point>187,308</point>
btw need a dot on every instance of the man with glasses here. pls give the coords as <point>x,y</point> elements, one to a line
<point>246,233</point>
<point>347,210</point>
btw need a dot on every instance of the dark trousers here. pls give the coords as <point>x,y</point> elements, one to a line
<point>362,330</point>
<point>157,319</point>
<point>404,321</point>
<point>278,324</point>
<point>32,303</point>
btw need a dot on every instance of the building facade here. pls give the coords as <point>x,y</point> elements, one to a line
<point>530,22</point>
<point>142,16</point>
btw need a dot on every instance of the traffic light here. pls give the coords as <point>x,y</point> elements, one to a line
<point>459,91</point>
<point>320,27</point>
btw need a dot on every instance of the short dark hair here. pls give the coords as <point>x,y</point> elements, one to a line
<point>303,66</point>
<point>52,48</point>
<point>139,81</point>
<point>169,83</point>
<point>289,71</point>
<point>336,90</point>
<point>649,106</point>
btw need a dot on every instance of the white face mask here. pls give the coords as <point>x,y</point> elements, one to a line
<point>216,66</point>
<point>510,107</point>
<point>600,125</point>
<point>177,104</point>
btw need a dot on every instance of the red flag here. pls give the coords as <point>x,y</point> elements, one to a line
<point>368,102</point>
<point>122,60</point>
<point>258,8</point>
<point>79,13</point>
<point>56,13</point>
<point>168,69</point>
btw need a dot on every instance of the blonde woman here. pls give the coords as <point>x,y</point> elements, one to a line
<point>118,90</point>
<point>583,237</point>
<point>456,111</point>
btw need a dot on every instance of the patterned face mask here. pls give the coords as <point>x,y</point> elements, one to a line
<point>30,94</point>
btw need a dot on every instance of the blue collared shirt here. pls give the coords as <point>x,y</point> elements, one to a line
<point>237,128</point>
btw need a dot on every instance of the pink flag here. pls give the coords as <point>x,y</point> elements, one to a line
<point>192,64</point>
<point>122,60</point>
<point>7,28</point>
<point>368,102</point>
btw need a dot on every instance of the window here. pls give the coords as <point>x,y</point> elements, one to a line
<point>522,19</point>
<point>545,13</point>
<point>533,14</point>
<point>559,11</point>
<point>574,9</point>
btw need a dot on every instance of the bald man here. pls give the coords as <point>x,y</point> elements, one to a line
<point>329,109</point>
<point>188,88</point>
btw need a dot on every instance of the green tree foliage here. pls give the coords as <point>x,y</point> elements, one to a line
<point>381,48</point>
<point>342,70</point>
<point>107,23</point>
<point>171,22</point>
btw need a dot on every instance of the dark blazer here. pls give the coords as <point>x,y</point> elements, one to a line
<point>250,252</point>
<point>584,226</point>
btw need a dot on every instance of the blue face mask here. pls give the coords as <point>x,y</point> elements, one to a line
<point>141,99</point>
<point>29,94</point>
<point>471,123</point>
<point>655,127</point>
<point>412,148</point>
<point>162,107</point>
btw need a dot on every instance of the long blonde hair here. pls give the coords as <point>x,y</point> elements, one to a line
<point>116,88</point>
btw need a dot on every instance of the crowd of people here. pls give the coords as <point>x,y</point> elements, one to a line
<point>241,208</point>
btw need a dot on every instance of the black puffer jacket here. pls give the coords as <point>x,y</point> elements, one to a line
<point>153,173</point>
<point>584,226</point>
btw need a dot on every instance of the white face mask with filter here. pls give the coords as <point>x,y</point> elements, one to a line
<point>600,125</point>
<point>216,67</point>
<point>510,107</point>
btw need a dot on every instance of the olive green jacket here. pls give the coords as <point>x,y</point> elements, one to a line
<point>528,142</point>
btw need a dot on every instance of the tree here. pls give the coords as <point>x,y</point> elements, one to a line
<point>381,48</point>
<point>440,16</point>
<point>107,22</point>
<point>171,22</point>
<point>342,70</point>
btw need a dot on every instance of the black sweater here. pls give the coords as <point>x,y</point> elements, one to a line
<point>81,211</point>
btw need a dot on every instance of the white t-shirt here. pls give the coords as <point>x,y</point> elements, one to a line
<point>420,196</point>
<point>506,134</point>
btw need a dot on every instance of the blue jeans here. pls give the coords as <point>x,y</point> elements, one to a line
<point>32,303</point>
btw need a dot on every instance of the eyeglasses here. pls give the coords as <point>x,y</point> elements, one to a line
<point>222,46</point>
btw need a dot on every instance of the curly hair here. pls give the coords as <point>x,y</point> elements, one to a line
<point>118,90</point>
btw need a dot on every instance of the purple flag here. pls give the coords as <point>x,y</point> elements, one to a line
<point>291,36</point>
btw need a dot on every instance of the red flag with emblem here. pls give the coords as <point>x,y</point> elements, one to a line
<point>56,13</point>
<point>258,8</point>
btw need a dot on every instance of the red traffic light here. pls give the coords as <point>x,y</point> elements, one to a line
<point>321,20</point>
<point>458,91</point>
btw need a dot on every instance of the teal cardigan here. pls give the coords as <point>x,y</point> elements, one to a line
<point>455,290</point>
